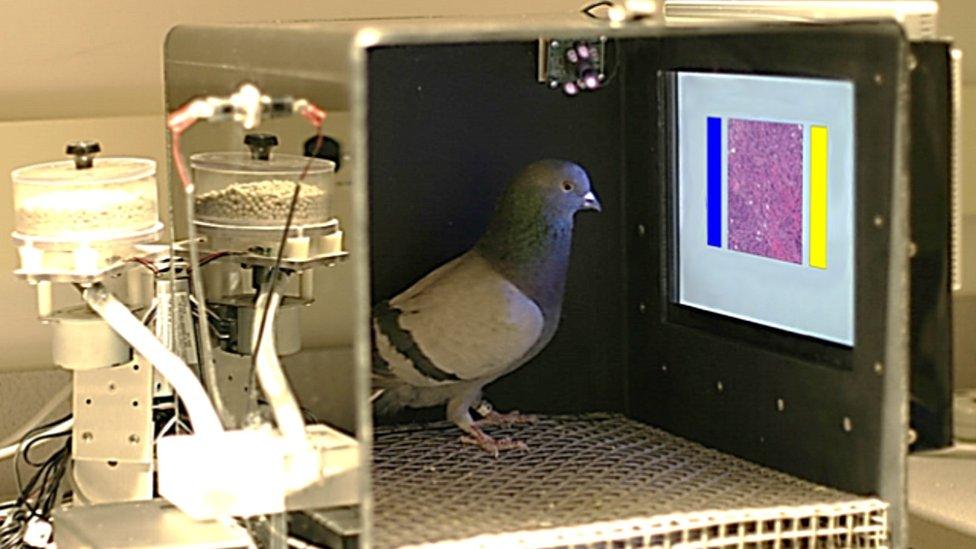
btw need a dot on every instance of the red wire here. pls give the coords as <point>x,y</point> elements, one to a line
<point>178,160</point>
<point>178,122</point>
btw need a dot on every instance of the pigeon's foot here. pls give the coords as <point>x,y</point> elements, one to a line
<point>501,420</point>
<point>493,446</point>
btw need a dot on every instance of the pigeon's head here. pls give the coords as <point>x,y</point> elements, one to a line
<point>534,217</point>
<point>563,187</point>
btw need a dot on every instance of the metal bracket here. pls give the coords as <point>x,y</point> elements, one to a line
<point>113,432</point>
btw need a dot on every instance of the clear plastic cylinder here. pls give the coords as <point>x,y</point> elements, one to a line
<point>234,190</point>
<point>57,202</point>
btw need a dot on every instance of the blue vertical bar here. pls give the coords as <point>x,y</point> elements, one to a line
<point>714,201</point>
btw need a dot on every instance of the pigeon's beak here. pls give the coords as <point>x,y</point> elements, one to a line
<point>591,202</point>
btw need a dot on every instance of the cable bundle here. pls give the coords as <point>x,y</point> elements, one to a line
<point>41,493</point>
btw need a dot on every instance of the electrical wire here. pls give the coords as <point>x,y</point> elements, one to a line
<point>272,279</point>
<point>11,450</point>
<point>38,439</point>
<point>38,417</point>
<point>43,487</point>
<point>144,263</point>
<point>212,257</point>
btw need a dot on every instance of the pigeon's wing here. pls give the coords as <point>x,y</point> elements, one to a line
<point>464,321</point>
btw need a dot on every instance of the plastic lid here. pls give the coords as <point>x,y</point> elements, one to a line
<point>103,170</point>
<point>242,163</point>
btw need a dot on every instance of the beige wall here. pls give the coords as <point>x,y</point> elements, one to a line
<point>63,59</point>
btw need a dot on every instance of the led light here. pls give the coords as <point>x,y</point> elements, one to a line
<point>590,80</point>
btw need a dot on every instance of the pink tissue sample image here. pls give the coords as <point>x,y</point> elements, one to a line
<point>765,189</point>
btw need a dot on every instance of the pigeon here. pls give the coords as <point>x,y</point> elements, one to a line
<point>486,312</point>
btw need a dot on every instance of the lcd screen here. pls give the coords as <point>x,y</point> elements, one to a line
<point>765,200</point>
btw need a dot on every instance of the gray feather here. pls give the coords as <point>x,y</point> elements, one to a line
<point>488,311</point>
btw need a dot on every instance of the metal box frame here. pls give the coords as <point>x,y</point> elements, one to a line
<point>707,378</point>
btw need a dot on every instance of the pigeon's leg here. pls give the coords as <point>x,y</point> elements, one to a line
<point>491,417</point>
<point>458,411</point>
<point>491,445</point>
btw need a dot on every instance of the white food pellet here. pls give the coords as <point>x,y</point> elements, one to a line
<point>262,202</point>
<point>62,212</point>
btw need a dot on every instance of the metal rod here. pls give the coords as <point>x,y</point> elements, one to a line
<point>207,364</point>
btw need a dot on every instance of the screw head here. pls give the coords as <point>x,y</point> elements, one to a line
<point>84,147</point>
<point>780,404</point>
<point>261,144</point>
<point>847,424</point>
<point>84,152</point>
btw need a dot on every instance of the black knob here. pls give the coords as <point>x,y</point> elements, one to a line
<point>261,144</point>
<point>84,152</point>
<point>329,149</point>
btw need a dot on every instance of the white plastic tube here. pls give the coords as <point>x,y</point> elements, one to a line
<point>268,368</point>
<point>176,372</point>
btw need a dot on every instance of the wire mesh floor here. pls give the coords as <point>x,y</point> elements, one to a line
<point>600,480</point>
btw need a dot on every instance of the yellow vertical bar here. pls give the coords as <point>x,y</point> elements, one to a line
<point>818,197</point>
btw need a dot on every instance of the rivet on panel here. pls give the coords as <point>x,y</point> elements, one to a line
<point>912,249</point>
<point>642,307</point>
<point>912,436</point>
<point>878,220</point>
<point>641,229</point>
<point>912,62</point>
<point>847,424</point>
<point>554,43</point>
<point>133,439</point>
<point>780,404</point>
<point>720,386</point>
<point>878,368</point>
<point>664,368</point>
<point>111,387</point>
<point>878,78</point>
<point>87,436</point>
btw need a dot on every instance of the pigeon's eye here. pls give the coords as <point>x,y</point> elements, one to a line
<point>567,186</point>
